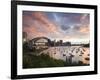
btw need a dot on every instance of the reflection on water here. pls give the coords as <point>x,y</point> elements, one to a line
<point>69,53</point>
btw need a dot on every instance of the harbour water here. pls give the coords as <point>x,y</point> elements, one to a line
<point>73,54</point>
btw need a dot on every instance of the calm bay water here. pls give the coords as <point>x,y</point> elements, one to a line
<point>73,53</point>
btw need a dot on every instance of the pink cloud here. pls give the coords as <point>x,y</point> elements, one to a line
<point>48,25</point>
<point>85,29</point>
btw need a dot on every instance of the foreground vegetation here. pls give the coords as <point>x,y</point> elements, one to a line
<point>32,60</point>
<point>43,60</point>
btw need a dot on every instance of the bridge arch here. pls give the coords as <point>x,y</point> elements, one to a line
<point>40,42</point>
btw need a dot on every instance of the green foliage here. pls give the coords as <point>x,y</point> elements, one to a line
<point>43,60</point>
<point>33,61</point>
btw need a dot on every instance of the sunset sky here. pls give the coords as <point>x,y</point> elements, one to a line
<point>72,27</point>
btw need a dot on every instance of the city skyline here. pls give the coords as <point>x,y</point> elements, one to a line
<point>73,27</point>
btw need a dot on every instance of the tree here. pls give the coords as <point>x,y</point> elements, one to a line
<point>24,36</point>
<point>68,43</point>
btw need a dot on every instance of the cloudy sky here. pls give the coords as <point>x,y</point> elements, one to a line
<point>72,27</point>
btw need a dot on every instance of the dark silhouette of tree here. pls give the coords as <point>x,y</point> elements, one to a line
<point>68,44</point>
<point>24,35</point>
